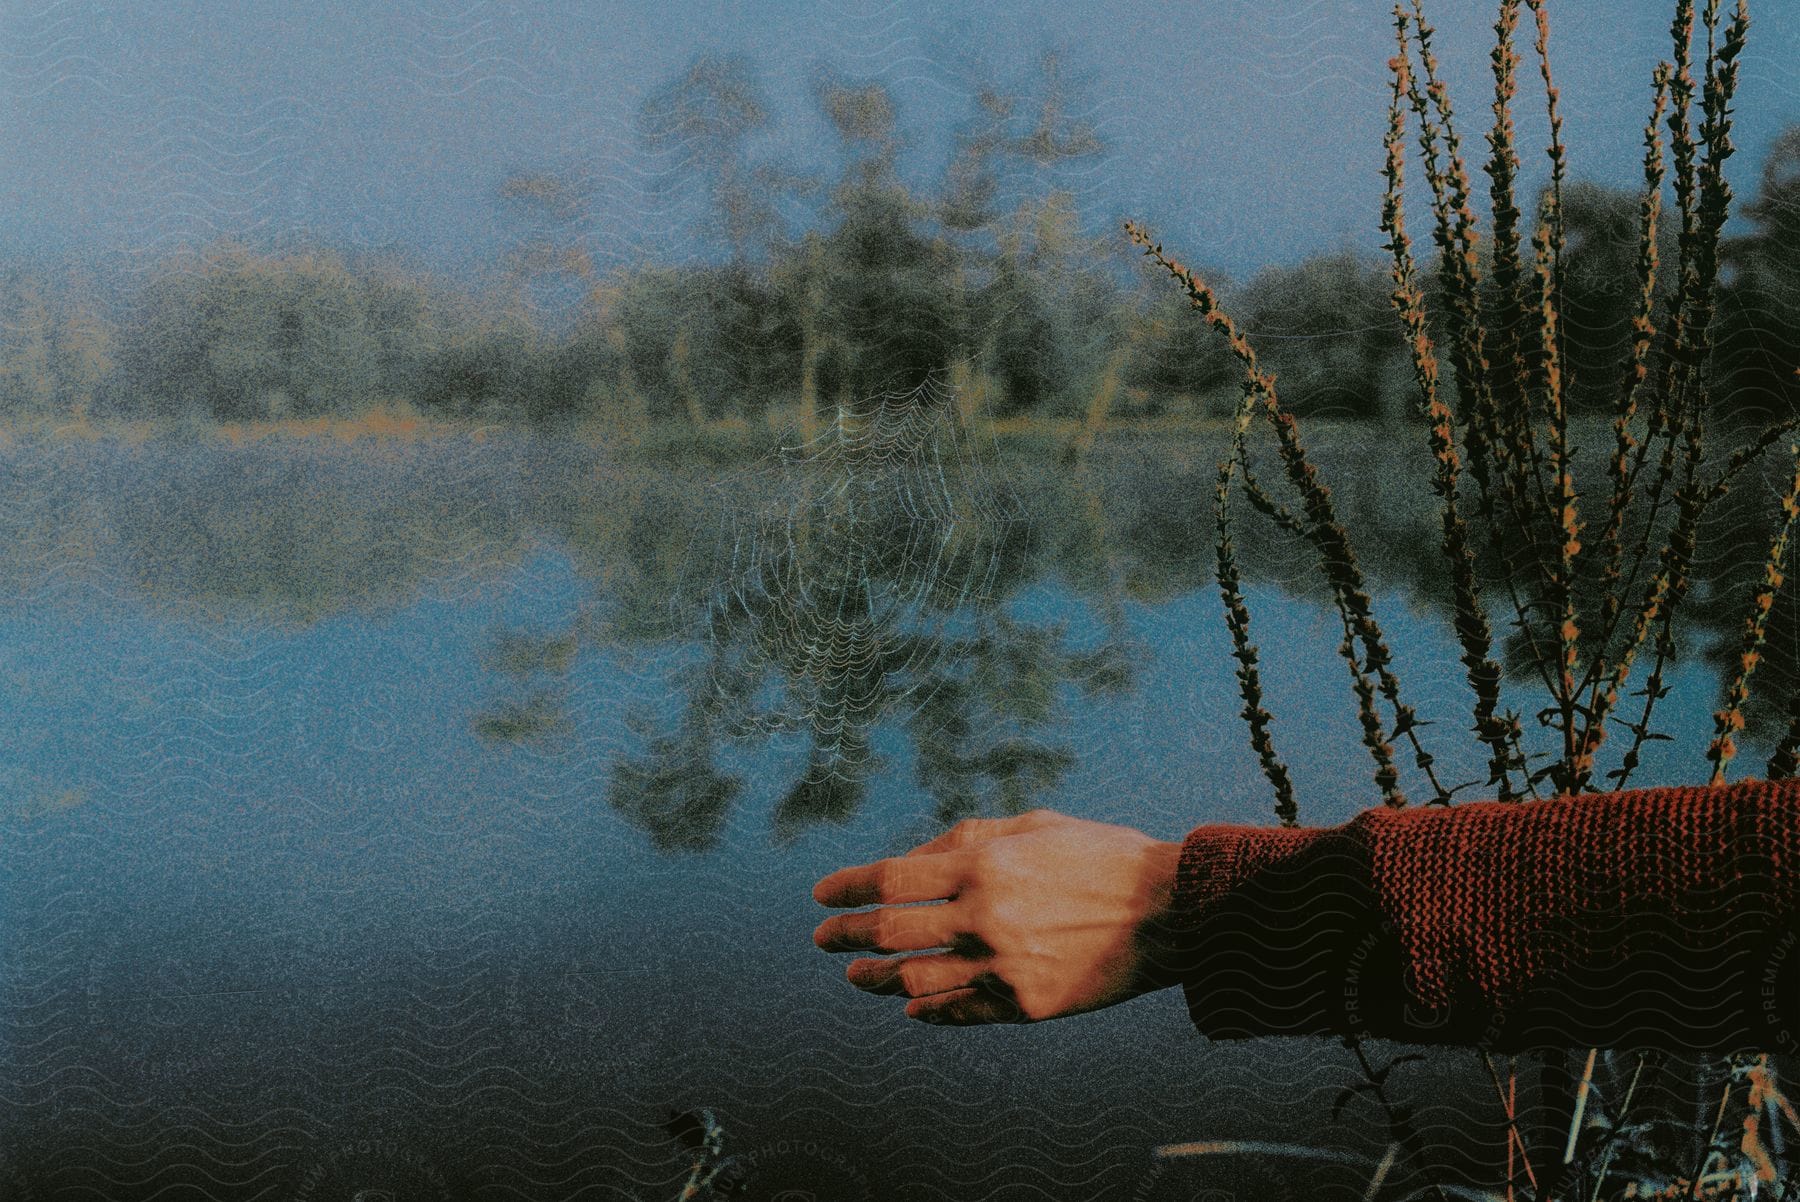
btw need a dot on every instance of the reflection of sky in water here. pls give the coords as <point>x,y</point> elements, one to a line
<point>274,873</point>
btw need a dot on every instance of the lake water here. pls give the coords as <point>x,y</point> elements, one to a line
<point>431,819</point>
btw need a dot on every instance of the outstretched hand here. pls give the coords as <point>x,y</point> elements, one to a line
<point>1037,917</point>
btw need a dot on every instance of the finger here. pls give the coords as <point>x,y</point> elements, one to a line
<point>893,881</point>
<point>965,1008</point>
<point>971,831</point>
<point>892,929</point>
<point>918,976</point>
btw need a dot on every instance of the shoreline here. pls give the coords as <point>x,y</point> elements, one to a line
<point>394,426</point>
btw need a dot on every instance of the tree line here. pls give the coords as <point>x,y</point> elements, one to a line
<point>999,286</point>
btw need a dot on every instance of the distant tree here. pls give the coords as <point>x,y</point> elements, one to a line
<point>648,309</point>
<point>1039,303</point>
<point>1051,318</point>
<point>697,127</point>
<point>85,349</point>
<point>1026,134</point>
<point>56,347</point>
<point>253,336</point>
<point>405,315</point>
<point>1601,288</point>
<point>481,372</point>
<point>733,347</point>
<point>1327,328</point>
<point>1174,355</point>
<point>1760,308</point>
<point>1025,355</point>
<point>27,354</point>
<point>548,265</point>
<point>885,281</point>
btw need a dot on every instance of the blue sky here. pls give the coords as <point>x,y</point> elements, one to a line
<point>1244,132</point>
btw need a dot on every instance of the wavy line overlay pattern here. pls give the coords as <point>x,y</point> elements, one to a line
<point>433,820</point>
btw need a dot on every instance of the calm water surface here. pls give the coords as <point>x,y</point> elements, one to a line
<point>435,818</point>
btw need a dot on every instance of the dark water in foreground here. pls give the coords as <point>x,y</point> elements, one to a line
<point>434,819</point>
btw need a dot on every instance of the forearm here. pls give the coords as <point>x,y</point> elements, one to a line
<point>1663,917</point>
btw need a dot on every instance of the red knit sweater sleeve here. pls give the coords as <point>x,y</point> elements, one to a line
<point>1658,917</point>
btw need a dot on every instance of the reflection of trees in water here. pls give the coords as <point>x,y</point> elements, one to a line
<point>287,530</point>
<point>856,583</point>
<point>1732,543</point>
<point>304,530</point>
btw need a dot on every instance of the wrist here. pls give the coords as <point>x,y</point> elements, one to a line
<point>1161,939</point>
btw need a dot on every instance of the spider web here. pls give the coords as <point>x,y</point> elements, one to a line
<point>851,570</point>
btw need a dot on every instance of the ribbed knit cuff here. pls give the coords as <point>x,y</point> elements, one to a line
<point>1216,863</point>
<point>1215,860</point>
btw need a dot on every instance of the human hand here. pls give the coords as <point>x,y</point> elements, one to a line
<point>1040,916</point>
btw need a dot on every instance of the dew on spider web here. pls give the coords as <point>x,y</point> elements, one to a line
<point>850,567</point>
